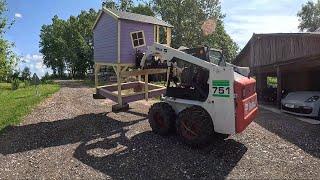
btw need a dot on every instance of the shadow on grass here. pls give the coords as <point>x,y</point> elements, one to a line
<point>109,146</point>
<point>304,135</point>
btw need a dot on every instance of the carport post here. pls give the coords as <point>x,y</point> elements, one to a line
<point>279,87</point>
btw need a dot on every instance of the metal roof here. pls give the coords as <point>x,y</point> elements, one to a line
<point>134,17</point>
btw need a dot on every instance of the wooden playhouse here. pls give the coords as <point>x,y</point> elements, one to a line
<point>117,37</point>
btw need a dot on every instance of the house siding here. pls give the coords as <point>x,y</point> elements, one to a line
<point>105,37</point>
<point>127,54</point>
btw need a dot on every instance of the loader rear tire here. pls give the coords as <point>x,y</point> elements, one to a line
<point>162,118</point>
<point>195,127</point>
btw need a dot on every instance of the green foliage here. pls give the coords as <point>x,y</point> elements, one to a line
<point>26,74</point>
<point>26,83</point>
<point>15,84</point>
<point>68,44</point>
<point>46,77</point>
<point>8,58</point>
<point>187,17</point>
<point>309,16</point>
<point>128,5</point>
<point>272,81</point>
<point>14,105</point>
<point>144,9</point>
<point>123,5</point>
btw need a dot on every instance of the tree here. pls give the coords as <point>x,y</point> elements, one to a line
<point>309,16</point>
<point>122,5</point>
<point>8,58</point>
<point>26,74</point>
<point>128,5</point>
<point>68,44</point>
<point>144,9</point>
<point>187,17</point>
<point>52,45</point>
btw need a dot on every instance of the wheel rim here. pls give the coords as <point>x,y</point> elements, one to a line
<point>190,130</point>
<point>159,120</point>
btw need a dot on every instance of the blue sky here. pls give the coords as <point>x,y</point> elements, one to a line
<point>243,18</point>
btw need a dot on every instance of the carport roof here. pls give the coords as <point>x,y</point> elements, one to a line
<point>277,48</point>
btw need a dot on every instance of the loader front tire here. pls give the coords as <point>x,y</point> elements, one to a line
<point>162,118</point>
<point>195,127</point>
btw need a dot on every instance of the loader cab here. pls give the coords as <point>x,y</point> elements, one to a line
<point>214,56</point>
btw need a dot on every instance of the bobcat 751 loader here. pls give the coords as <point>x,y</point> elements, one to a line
<point>206,98</point>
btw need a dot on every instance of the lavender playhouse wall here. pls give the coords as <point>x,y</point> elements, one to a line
<point>105,37</point>
<point>127,54</point>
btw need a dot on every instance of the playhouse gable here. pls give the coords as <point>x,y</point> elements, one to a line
<point>105,35</point>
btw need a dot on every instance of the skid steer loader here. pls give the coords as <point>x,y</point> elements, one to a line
<point>206,98</point>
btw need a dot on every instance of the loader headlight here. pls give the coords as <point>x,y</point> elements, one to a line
<point>313,99</point>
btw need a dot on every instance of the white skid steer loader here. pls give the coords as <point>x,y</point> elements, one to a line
<point>206,98</point>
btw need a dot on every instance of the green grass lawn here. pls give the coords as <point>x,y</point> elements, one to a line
<point>14,105</point>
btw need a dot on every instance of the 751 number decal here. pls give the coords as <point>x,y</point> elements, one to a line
<point>221,88</point>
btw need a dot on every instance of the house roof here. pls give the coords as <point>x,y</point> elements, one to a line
<point>133,17</point>
<point>275,47</point>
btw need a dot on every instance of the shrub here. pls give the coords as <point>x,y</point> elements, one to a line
<point>47,81</point>
<point>26,83</point>
<point>15,84</point>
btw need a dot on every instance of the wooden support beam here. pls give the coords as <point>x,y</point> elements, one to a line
<point>96,77</point>
<point>168,36</point>
<point>146,86</point>
<point>155,33</point>
<point>143,72</point>
<point>279,87</point>
<point>158,34</point>
<point>118,72</point>
<point>115,69</point>
<point>124,68</point>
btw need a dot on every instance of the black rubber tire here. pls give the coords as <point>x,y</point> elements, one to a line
<point>162,118</point>
<point>195,127</point>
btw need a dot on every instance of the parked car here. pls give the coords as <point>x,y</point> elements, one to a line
<point>303,103</point>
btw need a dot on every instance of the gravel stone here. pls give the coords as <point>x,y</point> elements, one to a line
<point>72,136</point>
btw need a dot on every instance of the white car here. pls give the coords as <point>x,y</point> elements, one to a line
<point>303,103</point>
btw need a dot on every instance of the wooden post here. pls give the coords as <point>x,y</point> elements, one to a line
<point>146,86</point>
<point>279,87</point>
<point>155,33</point>
<point>96,77</point>
<point>139,76</point>
<point>168,36</point>
<point>261,82</point>
<point>118,72</point>
<point>158,34</point>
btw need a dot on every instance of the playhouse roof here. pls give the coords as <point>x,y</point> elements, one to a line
<point>133,17</point>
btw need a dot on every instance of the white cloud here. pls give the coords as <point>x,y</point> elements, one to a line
<point>18,15</point>
<point>245,17</point>
<point>35,63</point>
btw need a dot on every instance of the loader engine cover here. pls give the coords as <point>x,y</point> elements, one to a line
<point>246,102</point>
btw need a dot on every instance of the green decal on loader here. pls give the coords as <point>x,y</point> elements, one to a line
<point>221,88</point>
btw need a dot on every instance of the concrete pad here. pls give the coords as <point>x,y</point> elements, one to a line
<point>303,119</point>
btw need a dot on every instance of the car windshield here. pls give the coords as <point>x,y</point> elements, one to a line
<point>216,57</point>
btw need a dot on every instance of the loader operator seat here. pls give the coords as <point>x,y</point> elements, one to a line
<point>196,78</point>
<point>200,82</point>
<point>186,80</point>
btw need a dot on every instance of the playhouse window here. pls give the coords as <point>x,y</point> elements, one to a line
<point>137,39</point>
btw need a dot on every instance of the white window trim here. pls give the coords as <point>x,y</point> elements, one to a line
<point>144,39</point>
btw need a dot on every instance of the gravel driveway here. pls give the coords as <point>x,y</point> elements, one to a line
<point>72,136</point>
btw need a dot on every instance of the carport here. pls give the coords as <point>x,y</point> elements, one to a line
<point>293,58</point>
